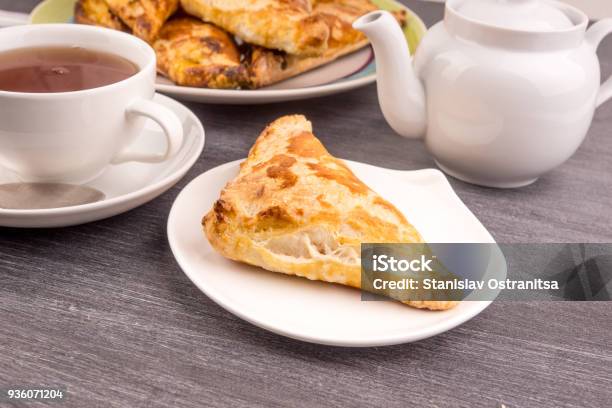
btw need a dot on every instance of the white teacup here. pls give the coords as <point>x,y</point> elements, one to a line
<point>72,137</point>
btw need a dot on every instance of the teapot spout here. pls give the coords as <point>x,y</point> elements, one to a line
<point>400,92</point>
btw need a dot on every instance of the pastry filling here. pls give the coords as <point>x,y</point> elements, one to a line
<point>313,244</point>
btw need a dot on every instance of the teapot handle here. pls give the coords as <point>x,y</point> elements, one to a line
<point>594,36</point>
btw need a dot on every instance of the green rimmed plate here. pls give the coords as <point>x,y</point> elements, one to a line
<point>352,71</point>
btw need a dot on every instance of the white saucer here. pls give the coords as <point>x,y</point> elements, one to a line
<point>125,186</point>
<point>315,311</point>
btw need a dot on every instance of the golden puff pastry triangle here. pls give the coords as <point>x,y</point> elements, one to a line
<point>297,210</point>
<point>286,25</point>
<point>144,17</point>
<point>194,53</point>
<point>267,67</point>
<point>97,12</point>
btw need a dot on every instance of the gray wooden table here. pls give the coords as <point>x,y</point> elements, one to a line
<point>104,310</point>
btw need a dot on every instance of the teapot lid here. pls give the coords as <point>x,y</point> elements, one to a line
<point>524,15</point>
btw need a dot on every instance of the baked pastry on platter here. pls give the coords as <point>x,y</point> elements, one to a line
<point>194,53</point>
<point>144,17</point>
<point>296,209</point>
<point>267,67</point>
<point>236,44</point>
<point>287,25</point>
<point>261,66</point>
<point>97,12</point>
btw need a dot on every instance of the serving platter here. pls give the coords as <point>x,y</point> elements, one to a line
<point>320,312</point>
<point>349,72</point>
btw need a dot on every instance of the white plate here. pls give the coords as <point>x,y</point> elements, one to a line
<point>315,311</point>
<point>350,72</point>
<point>125,186</point>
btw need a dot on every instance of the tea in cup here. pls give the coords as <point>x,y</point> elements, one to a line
<point>73,99</point>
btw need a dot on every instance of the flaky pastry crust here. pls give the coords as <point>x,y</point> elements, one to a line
<point>97,13</point>
<point>267,67</point>
<point>194,53</point>
<point>287,25</point>
<point>296,209</point>
<point>144,17</point>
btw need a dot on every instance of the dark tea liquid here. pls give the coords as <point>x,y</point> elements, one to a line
<point>60,69</point>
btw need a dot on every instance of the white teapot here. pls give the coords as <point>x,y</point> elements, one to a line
<point>501,91</point>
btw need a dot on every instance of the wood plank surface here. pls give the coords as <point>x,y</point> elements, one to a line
<point>104,310</point>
